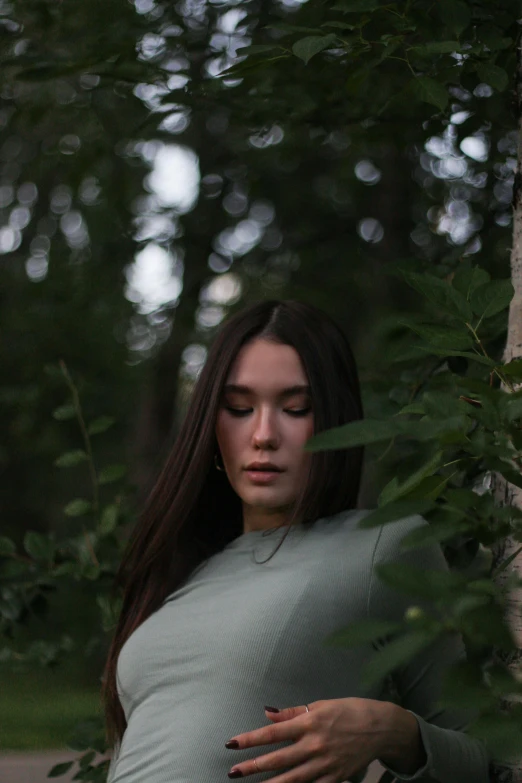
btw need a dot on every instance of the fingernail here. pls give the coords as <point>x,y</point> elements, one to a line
<point>235,773</point>
<point>271,709</point>
<point>232,744</point>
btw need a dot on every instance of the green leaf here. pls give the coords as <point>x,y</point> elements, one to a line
<point>485,626</point>
<point>292,28</point>
<point>492,37</point>
<point>413,407</point>
<point>78,507</point>
<point>395,511</point>
<point>513,409</point>
<point>7,547</point>
<point>467,279</point>
<point>438,47</point>
<point>501,735</point>
<point>513,368</point>
<point>487,300</point>
<point>463,687</point>
<point>495,44</point>
<point>430,91</point>
<point>468,603</point>
<point>86,759</point>
<point>357,6</point>
<point>419,582</point>
<point>396,653</point>
<point>493,75</point>
<point>362,632</point>
<point>440,293</point>
<point>475,357</point>
<point>433,534</point>
<point>64,412</point>
<point>109,520</point>
<point>70,458</point>
<point>90,571</point>
<point>60,769</point>
<point>430,488</point>
<point>256,49</point>
<point>440,404</point>
<point>307,47</point>
<point>365,431</point>
<point>442,337</point>
<point>38,545</point>
<point>66,569</point>
<point>393,490</point>
<point>455,14</point>
<point>339,25</point>
<point>111,473</point>
<point>100,425</point>
<point>462,498</point>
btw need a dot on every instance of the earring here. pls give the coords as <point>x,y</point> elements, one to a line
<point>216,463</point>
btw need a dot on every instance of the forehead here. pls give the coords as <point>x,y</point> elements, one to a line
<point>266,365</point>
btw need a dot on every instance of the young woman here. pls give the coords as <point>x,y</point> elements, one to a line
<point>247,556</point>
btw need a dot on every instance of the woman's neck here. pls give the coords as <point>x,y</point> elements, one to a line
<point>255,518</point>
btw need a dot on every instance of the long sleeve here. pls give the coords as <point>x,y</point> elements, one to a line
<point>452,756</point>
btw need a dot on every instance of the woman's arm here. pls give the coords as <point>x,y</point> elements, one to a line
<point>402,747</point>
<point>449,755</point>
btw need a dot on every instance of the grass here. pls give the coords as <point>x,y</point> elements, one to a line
<point>39,708</point>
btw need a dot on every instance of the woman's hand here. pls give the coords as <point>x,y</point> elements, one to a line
<point>333,742</point>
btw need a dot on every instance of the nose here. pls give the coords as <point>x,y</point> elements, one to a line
<point>265,434</point>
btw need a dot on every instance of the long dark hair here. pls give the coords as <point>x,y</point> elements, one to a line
<point>192,511</point>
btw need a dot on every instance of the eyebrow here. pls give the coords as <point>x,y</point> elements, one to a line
<point>232,388</point>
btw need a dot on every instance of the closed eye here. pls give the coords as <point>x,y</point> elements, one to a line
<point>246,411</point>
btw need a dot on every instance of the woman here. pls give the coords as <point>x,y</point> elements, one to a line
<point>217,621</point>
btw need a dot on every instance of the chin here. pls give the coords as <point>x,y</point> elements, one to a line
<point>265,499</point>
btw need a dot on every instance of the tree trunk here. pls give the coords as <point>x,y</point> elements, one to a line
<point>506,493</point>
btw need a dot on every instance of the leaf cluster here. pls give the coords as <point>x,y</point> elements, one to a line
<point>466,419</point>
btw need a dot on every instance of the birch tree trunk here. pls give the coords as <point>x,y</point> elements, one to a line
<point>506,493</point>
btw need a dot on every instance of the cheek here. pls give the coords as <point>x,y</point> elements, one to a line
<point>301,435</point>
<point>227,435</point>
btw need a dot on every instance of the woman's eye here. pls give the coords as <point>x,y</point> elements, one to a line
<point>246,411</point>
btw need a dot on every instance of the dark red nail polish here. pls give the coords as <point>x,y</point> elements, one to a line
<point>271,709</point>
<point>235,773</point>
<point>232,744</point>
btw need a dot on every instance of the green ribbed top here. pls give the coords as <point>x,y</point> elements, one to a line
<point>239,635</point>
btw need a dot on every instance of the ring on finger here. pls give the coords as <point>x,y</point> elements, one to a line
<point>257,768</point>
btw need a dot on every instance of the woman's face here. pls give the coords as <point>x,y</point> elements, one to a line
<point>264,420</point>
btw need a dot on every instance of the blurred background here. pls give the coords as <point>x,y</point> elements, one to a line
<point>144,196</point>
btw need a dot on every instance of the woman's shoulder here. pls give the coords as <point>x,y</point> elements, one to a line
<point>350,520</point>
<point>379,542</point>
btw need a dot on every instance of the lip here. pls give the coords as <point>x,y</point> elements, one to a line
<point>263,472</point>
<point>263,467</point>
<point>263,476</point>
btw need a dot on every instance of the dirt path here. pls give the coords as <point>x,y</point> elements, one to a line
<point>33,767</point>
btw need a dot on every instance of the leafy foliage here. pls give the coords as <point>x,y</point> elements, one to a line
<point>332,136</point>
<point>447,491</point>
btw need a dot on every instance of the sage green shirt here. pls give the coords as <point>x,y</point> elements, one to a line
<point>239,635</point>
